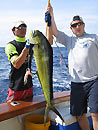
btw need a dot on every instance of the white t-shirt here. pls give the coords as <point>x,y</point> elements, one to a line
<point>82,57</point>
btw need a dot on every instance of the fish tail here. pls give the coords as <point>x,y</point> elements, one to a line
<point>46,114</point>
<point>48,108</point>
<point>57,112</point>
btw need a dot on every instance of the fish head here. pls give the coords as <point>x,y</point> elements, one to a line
<point>33,37</point>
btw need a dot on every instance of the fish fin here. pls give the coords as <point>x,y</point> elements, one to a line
<point>46,114</point>
<point>47,109</point>
<point>38,77</point>
<point>56,111</point>
<point>36,72</point>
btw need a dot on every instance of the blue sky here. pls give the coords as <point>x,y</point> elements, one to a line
<point>32,12</point>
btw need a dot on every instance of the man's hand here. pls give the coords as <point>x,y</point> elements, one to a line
<point>48,18</point>
<point>29,45</point>
<point>49,10</point>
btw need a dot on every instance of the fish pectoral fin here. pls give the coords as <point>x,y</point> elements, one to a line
<point>38,77</point>
<point>56,111</point>
<point>36,72</point>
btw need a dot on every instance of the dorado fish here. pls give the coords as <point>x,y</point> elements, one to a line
<point>43,55</point>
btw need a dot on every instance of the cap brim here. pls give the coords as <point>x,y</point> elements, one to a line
<point>17,24</point>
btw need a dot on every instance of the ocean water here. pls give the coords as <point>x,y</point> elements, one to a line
<point>61,78</point>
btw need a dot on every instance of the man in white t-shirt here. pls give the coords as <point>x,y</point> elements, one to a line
<point>83,68</point>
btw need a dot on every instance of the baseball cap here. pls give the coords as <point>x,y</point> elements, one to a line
<point>77,17</point>
<point>18,23</point>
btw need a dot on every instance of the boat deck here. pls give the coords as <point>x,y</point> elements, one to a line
<point>8,111</point>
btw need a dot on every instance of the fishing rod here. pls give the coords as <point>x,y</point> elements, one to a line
<point>48,2</point>
<point>49,33</point>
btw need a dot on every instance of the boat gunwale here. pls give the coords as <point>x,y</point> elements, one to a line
<point>8,111</point>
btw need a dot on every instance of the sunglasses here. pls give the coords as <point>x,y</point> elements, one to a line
<point>75,24</point>
<point>21,27</point>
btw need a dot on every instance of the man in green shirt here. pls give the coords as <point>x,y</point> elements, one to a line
<point>19,54</point>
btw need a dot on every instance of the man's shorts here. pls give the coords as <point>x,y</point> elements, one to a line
<point>12,96</point>
<point>83,95</point>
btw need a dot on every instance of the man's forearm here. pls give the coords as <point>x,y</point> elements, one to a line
<point>21,59</point>
<point>54,27</point>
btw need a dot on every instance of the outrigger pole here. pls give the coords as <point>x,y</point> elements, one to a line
<point>48,2</point>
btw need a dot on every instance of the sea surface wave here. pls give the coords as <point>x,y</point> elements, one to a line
<point>61,78</point>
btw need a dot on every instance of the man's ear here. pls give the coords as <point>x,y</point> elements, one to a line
<point>84,24</point>
<point>70,27</point>
<point>13,30</point>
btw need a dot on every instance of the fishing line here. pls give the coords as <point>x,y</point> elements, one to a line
<point>61,54</point>
<point>28,71</point>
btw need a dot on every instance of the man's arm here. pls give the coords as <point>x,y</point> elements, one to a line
<point>53,24</point>
<point>21,58</point>
<point>49,34</point>
<point>13,56</point>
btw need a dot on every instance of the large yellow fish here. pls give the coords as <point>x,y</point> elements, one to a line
<point>44,61</point>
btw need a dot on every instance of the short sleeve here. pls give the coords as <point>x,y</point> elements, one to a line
<point>11,52</point>
<point>63,38</point>
<point>96,40</point>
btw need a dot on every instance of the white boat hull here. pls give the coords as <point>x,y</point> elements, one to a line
<point>12,117</point>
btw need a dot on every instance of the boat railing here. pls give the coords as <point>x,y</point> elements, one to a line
<point>8,110</point>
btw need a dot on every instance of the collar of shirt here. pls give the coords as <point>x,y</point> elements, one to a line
<point>19,39</point>
<point>79,36</point>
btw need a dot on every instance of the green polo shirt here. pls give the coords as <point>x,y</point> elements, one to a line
<point>11,50</point>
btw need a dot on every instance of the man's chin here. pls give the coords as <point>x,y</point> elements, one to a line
<point>79,34</point>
